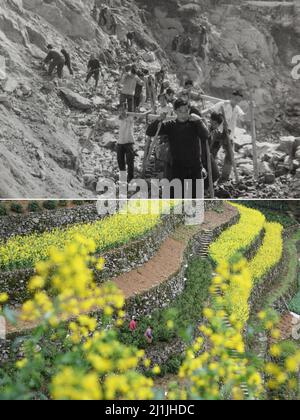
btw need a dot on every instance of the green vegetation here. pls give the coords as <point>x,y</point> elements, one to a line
<point>3,210</point>
<point>50,204</point>
<point>184,314</point>
<point>272,215</point>
<point>22,207</point>
<point>295,303</point>
<point>33,207</point>
<point>16,208</point>
<point>119,229</point>
<point>62,203</point>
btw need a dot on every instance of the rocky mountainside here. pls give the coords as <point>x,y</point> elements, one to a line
<point>45,150</point>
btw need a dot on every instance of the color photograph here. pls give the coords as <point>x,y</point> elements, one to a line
<point>149,203</point>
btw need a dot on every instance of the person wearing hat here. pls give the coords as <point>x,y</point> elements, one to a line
<point>184,95</point>
<point>94,68</point>
<point>233,111</point>
<point>187,137</point>
<point>129,81</point>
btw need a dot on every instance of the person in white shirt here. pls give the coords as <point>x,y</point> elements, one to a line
<point>165,107</point>
<point>125,142</point>
<point>129,81</point>
<point>233,112</point>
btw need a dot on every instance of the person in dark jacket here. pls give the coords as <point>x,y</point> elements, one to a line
<point>219,138</point>
<point>93,70</point>
<point>139,91</point>
<point>187,138</point>
<point>56,61</point>
<point>67,61</point>
<point>130,37</point>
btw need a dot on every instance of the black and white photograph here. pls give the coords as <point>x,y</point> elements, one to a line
<point>132,91</point>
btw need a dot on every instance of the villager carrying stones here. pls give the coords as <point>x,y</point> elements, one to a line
<point>56,61</point>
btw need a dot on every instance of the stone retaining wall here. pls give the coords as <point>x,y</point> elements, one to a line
<point>270,280</point>
<point>119,260</point>
<point>46,220</point>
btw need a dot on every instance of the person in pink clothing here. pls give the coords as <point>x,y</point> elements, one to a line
<point>133,324</point>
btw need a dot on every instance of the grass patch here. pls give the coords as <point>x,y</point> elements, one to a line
<point>294,305</point>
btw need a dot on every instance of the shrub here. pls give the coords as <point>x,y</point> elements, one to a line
<point>3,210</point>
<point>50,204</point>
<point>34,207</point>
<point>16,208</point>
<point>62,203</point>
<point>172,365</point>
<point>86,364</point>
<point>183,313</point>
<point>278,215</point>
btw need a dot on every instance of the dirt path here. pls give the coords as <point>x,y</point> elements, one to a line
<point>169,258</point>
<point>164,264</point>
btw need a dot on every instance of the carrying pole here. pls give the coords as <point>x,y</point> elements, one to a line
<point>210,174</point>
<point>254,138</point>
<point>231,151</point>
<point>151,148</point>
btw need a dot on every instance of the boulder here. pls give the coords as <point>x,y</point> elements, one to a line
<point>242,139</point>
<point>296,164</point>
<point>287,163</point>
<point>297,155</point>
<point>280,170</point>
<point>277,157</point>
<point>111,122</point>
<point>108,141</point>
<point>246,169</point>
<point>4,101</point>
<point>263,148</point>
<point>11,85</point>
<point>148,57</point>
<point>264,168</point>
<point>97,101</point>
<point>269,178</point>
<point>36,52</point>
<point>26,89</point>
<point>243,161</point>
<point>75,100</point>
<point>287,145</point>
